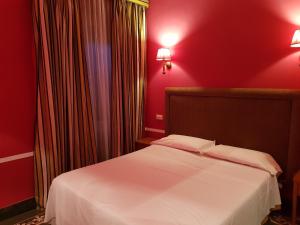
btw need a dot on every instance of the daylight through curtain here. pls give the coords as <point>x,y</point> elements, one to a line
<point>96,26</point>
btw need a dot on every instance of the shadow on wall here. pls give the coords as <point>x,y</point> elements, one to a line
<point>229,54</point>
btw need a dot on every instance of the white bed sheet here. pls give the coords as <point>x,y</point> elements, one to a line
<point>162,186</point>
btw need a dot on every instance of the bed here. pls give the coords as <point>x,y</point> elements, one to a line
<point>166,186</point>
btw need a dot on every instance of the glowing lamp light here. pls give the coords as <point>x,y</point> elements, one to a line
<point>296,39</point>
<point>169,39</point>
<point>164,54</point>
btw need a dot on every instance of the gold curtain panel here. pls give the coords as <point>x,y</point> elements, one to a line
<point>140,2</point>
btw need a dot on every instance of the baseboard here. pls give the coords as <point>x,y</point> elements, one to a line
<point>17,209</point>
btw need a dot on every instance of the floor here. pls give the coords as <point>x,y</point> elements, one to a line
<point>281,220</point>
<point>21,217</point>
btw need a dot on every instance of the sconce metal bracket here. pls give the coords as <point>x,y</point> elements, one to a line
<point>167,66</point>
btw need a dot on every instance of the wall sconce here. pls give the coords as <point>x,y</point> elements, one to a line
<point>164,55</point>
<point>296,41</point>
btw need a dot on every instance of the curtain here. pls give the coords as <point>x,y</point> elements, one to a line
<point>65,137</point>
<point>91,57</point>
<point>128,75</point>
<point>96,25</point>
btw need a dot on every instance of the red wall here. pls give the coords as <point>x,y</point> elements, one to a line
<point>221,43</point>
<point>17,100</point>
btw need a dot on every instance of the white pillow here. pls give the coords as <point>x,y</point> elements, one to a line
<point>187,143</point>
<point>248,157</point>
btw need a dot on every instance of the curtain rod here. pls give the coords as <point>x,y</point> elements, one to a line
<point>140,2</point>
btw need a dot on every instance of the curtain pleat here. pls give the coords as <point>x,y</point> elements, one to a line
<point>128,75</point>
<point>65,137</point>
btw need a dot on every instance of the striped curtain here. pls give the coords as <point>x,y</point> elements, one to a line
<point>65,137</point>
<point>128,75</point>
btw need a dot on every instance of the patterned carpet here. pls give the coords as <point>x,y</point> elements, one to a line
<point>279,220</point>
<point>274,219</point>
<point>36,220</point>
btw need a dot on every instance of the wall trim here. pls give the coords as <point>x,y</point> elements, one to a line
<point>16,157</point>
<point>154,130</point>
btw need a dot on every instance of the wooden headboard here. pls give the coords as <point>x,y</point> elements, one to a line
<point>261,119</point>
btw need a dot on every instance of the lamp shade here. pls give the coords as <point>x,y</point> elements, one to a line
<point>163,54</point>
<point>296,39</point>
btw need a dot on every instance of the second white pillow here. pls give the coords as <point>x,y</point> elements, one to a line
<point>248,157</point>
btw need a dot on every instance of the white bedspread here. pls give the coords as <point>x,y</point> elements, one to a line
<point>162,186</point>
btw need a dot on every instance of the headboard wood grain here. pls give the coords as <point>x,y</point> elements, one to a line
<point>261,119</point>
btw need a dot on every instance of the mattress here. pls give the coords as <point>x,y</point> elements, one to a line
<point>162,186</point>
